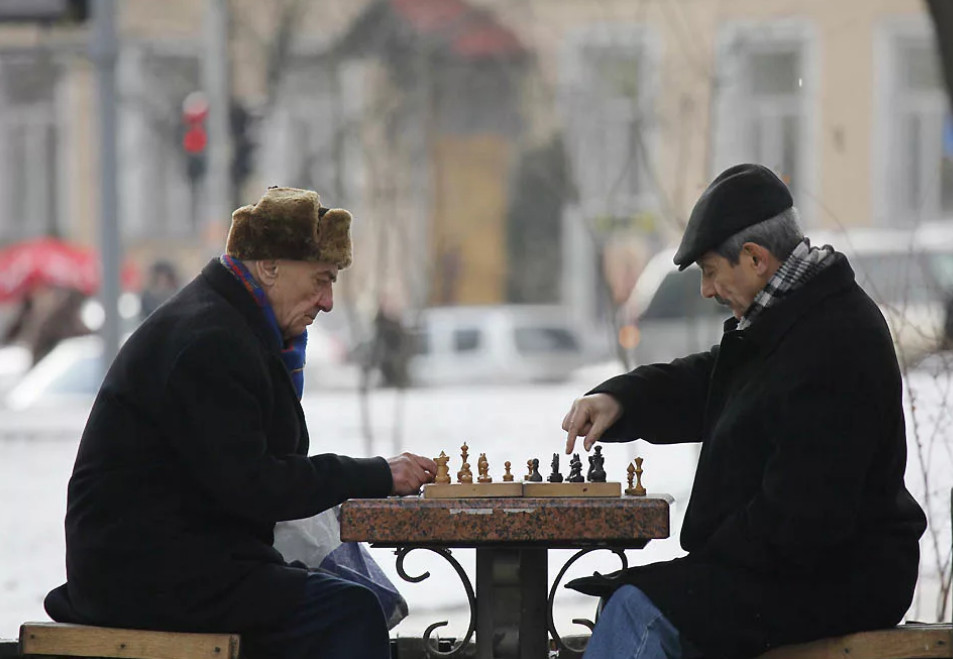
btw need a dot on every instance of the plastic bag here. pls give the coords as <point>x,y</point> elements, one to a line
<point>316,542</point>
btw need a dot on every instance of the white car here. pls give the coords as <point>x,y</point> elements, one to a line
<point>70,375</point>
<point>493,344</point>
<point>908,273</point>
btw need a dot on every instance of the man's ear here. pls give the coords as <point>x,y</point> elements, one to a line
<point>266,271</point>
<point>759,255</point>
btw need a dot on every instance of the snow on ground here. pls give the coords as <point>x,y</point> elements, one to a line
<point>507,423</point>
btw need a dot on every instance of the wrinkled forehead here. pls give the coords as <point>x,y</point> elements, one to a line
<point>311,269</point>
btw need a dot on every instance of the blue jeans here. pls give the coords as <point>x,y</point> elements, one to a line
<point>336,618</point>
<point>631,627</point>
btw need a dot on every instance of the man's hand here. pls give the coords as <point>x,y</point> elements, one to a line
<point>589,417</point>
<point>410,471</point>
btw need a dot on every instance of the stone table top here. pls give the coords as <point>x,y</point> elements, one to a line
<point>625,521</point>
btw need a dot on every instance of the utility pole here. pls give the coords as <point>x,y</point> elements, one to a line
<point>104,52</point>
<point>218,180</point>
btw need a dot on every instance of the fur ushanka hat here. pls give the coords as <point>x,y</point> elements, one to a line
<point>289,223</point>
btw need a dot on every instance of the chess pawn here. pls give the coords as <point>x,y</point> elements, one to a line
<point>483,468</point>
<point>534,475</point>
<point>443,471</point>
<point>529,470</point>
<point>507,476</point>
<point>466,476</point>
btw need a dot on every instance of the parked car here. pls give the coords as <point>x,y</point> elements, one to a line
<point>908,273</point>
<point>70,375</point>
<point>493,344</point>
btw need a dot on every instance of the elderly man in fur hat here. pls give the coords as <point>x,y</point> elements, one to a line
<point>799,524</point>
<point>197,445</point>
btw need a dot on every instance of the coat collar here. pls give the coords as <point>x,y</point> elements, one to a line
<point>232,290</point>
<point>774,322</point>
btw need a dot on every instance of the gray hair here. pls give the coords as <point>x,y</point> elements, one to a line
<point>779,235</point>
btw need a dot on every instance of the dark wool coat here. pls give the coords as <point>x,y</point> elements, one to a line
<point>799,525</point>
<point>196,445</point>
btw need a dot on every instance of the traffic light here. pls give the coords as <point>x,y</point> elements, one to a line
<point>194,135</point>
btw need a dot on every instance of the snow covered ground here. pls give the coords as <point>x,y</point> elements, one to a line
<point>507,423</point>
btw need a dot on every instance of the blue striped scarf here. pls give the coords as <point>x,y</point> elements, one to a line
<point>292,352</point>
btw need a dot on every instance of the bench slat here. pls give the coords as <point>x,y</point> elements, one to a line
<point>911,641</point>
<point>48,638</point>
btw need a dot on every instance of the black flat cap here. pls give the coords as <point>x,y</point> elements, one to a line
<point>741,196</point>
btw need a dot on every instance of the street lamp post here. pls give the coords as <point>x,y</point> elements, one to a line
<point>104,52</point>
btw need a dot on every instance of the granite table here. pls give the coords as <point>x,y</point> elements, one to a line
<point>510,610</point>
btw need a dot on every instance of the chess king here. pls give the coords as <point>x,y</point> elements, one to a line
<point>799,524</point>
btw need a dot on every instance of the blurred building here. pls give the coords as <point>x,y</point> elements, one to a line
<point>491,150</point>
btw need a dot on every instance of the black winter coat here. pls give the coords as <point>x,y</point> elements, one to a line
<point>196,445</point>
<point>799,525</point>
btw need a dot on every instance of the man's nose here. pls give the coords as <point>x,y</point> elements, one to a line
<point>326,301</point>
<point>707,289</point>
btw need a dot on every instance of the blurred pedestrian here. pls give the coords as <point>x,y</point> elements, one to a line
<point>391,349</point>
<point>163,283</point>
<point>46,316</point>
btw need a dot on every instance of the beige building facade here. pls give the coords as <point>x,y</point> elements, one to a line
<point>428,117</point>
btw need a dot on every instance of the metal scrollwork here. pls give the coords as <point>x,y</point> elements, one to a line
<point>433,649</point>
<point>560,644</point>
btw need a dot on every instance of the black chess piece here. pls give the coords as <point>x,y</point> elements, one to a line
<point>575,469</point>
<point>535,477</point>
<point>597,474</point>
<point>555,477</point>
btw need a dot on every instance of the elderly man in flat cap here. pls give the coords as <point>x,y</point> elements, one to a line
<point>799,524</point>
<point>197,445</point>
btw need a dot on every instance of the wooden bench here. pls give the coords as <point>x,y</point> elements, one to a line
<point>62,640</point>
<point>909,641</point>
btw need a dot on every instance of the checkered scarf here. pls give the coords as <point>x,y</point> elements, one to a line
<point>803,263</point>
<point>292,352</point>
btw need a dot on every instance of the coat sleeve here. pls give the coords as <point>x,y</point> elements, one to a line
<point>835,416</point>
<point>216,401</point>
<point>662,403</point>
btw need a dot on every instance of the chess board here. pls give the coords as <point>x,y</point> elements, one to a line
<point>520,490</point>
<point>481,485</point>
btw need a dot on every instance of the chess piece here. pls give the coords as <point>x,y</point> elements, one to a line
<point>575,469</point>
<point>597,474</point>
<point>466,476</point>
<point>464,452</point>
<point>483,469</point>
<point>534,473</point>
<point>529,470</point>
<point>639,491</point>
<point>507,476</point>
<point>630,474</point>
<point>443,471</point>
<point>555,477</point>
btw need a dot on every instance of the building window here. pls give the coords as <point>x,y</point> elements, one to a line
<point>157,197</point>
<point>607,101</point>
<point>763,88</point>
<point>314,134</point>
<point>920,134</point>
<point>29,139</point>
